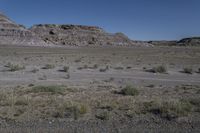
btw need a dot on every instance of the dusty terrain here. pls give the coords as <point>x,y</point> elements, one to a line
<point>85,89</point>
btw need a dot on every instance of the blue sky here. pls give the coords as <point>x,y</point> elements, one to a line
<point>139,19</point>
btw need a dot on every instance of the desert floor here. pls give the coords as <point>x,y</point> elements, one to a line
<point>100,89</point>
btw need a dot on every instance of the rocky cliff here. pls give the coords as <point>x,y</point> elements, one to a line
<point>78,35</point>
<point>14,34</point>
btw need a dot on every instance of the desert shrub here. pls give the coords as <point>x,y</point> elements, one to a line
<point>129,90</point>
<point>84,67</point>
<point>14,67</point>
<point>71,109</point>
<point>119,68</point>
<point>104,69</point>
<point>3,96</point>
<point>30,85</point>
<point>19,111</point>
<point>21,101</point>
<point>96,66</point>
<point>144,68</point>
<point>194,101</point>
<point>128,67</point>
<point>8,65</point>
<point>48,89</point>
<point>78,60</point>
<point>187,70</point>
<point>159,69</point>
<point>35,70</point>
<point>131,113</point>
<point>48,66</point>
<point>103,115</point>
<point>169,109</point>
<point>198,91</point>
<point>78,110</point>
<point>66,69</point>
<point>107,105</point>
<point>151,86</point>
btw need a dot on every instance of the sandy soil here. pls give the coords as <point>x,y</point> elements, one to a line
<point>99,74</point>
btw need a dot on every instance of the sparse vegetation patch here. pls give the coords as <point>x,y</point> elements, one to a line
<point>169,109</point>
<point>71,109</point>
<point>130,90</point>
<point>14,67</point>
<point>48,89</point>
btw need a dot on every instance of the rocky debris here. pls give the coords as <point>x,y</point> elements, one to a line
<point>78,35</point>
<point>14,34</point>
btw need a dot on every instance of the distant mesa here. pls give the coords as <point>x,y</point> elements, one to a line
<point>73,35</point>
<point>193,41</point>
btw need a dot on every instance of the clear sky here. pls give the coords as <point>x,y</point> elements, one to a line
<point>139,19</point>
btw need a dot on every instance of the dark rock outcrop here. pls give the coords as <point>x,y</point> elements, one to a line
<point>194,41</point>
<point>163,43</point>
